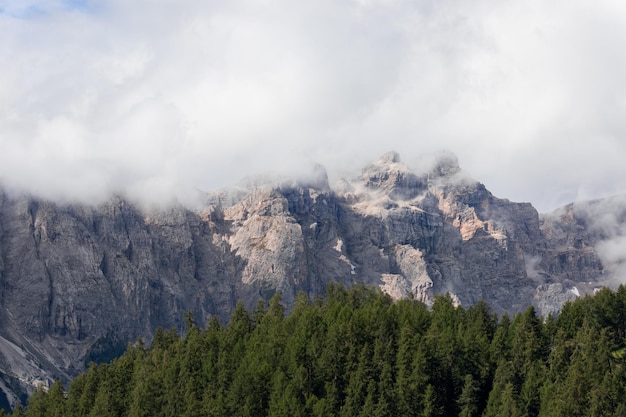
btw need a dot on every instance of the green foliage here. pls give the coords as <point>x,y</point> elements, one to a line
<point>357,353</point>
<point>469,400</point>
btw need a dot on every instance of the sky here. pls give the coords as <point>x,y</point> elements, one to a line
<point>152,98</point>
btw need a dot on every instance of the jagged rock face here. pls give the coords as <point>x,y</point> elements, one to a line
<point>587,238</point>
<point>77,281</point>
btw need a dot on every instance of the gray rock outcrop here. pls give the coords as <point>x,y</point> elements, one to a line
<point>77,283</point>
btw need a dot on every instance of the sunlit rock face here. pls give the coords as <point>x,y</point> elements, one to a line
<point>77,283</point>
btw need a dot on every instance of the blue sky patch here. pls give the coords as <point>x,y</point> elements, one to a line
<point>39,8</point>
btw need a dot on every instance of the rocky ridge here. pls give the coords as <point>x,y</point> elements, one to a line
<point>77,283</point>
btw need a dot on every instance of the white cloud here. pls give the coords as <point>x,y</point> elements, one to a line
<point>102,96</point>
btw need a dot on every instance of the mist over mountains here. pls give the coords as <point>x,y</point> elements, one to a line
<point>144,104</point>
<point>77,282</point>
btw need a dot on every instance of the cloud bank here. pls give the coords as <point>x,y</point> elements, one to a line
<point>605,224</point>
<point>148,97</point>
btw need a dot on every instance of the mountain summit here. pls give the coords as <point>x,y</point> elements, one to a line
<point>79,282</point>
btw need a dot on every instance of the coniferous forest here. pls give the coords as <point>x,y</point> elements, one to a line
<point>358,353</point>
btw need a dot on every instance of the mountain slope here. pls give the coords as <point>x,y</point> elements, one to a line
<point>77,283</point>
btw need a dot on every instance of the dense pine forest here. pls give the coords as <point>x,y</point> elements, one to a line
<point>358,353</point>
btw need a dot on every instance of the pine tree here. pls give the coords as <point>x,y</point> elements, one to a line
<point>55,401</point>
<point>500,346</point>
<point>469,400</point>
<point>357,389</point>
<point>527,345</point>
<point>102,406</point>
<point>502,391</point>
<point>90,389</point>
<point>288,396</point>
<point>431,405</point>
<point>148,396</point>
<point>508,405</point>
<point>407,388</point>
<point>191,371</point>
<point>37,404</point>
<point>387,399</point>
<point>17,411</point>
<point>530,394</point>
<point>369,405</point>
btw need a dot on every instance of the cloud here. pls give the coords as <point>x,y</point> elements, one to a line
<point>151,97</point>
<point>605,221</point>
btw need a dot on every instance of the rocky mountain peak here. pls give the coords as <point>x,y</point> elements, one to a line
<point>387,162</point>
<point>446,165</point>
<point>392,177</point>
<point>317,179</point>
<point>391,157</point>
<point>80,282</point>
<point>309,177</point>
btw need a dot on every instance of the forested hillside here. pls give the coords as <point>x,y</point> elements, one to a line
<point>358,353</point>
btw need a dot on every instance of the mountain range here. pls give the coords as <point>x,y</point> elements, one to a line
<point>78,282</point>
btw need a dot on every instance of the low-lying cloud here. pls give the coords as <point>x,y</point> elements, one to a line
<point>605,221</point>
<point>153,98</point>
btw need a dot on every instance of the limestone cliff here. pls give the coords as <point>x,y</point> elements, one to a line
<point>77,283</point>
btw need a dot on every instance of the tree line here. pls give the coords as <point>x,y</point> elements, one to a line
<point>358,353</point>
